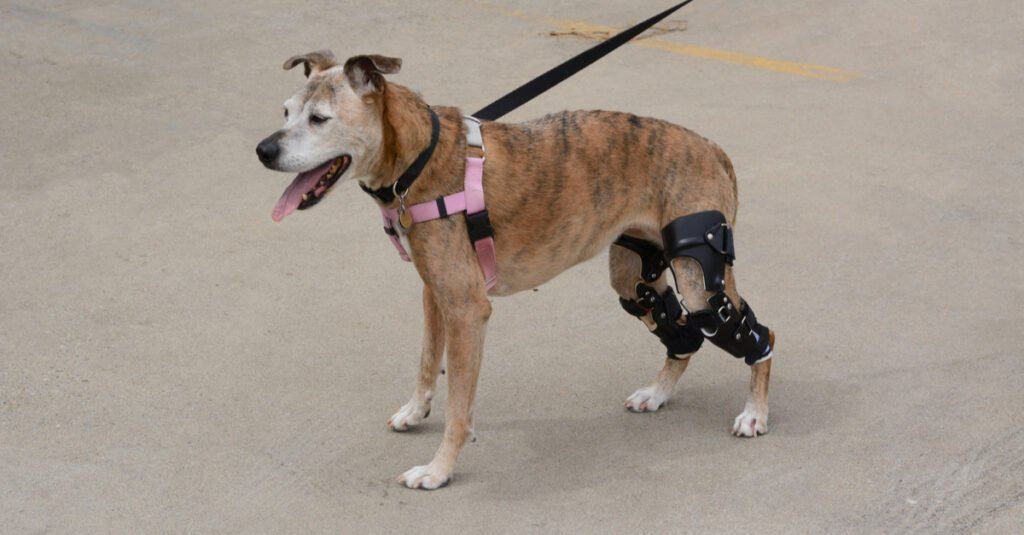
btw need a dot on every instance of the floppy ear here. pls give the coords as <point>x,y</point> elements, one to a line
<point>313,62</point>
<point>365,73</point>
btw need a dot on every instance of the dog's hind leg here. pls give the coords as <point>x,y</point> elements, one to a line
<point>626,270</point>
<point>753,421</point>
<point>418,406</point>
<point>690,283</point>
<point>653,396</point>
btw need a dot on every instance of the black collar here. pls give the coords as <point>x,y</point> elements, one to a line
<point>404,182</point>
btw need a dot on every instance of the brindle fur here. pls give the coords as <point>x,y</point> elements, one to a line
<point>559,190</point>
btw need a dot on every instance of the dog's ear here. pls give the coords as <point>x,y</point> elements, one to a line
<point>365,73</point>
<point>313,62</point>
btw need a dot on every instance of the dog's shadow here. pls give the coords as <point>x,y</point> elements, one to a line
<point>556,455</point>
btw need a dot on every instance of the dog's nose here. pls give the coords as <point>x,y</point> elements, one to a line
<point>268,149</point>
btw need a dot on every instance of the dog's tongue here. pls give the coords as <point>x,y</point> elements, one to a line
<point>302,184</point>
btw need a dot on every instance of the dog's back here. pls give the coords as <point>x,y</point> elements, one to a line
<point>562,187</point>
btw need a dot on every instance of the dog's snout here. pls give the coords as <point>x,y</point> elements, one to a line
<point>268,149</point>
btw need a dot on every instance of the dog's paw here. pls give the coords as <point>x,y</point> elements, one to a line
<point>750,423</point>
<point>424,477</point>
<point>647,399</point>
<point>409,415</point>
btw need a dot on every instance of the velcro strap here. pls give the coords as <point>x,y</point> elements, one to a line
<point>652,260</point>
<point>719,238</point>
<point>704,320</point>
<point>683,343</point>
<point>633,308</point>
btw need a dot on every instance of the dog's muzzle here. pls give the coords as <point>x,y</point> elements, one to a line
<point>269,149</point>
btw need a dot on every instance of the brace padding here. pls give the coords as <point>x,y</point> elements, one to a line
<point>705,237</point>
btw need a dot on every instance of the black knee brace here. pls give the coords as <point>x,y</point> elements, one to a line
<point>665,311</point>
<point>707,238</point>
<point>664,308</point>
<point>651,257</point>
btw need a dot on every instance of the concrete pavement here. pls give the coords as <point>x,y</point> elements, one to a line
<point>171,360</point>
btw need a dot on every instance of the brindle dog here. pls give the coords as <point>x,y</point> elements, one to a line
<point>559,190</point>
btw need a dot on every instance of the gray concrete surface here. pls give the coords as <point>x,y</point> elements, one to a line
<point>171,360</point>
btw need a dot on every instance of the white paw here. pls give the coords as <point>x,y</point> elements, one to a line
<point>647,399</point>
<point>750,423</point>
<point>424,477</point>
<point>409,415</point>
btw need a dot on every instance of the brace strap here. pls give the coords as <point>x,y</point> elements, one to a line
<point>653,261</point>
<point>665,311</point>
<point>734,329</point>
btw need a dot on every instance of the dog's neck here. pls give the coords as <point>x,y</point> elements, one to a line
<point>405,124</point>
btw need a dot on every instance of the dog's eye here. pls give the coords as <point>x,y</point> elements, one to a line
<point>317,119</point>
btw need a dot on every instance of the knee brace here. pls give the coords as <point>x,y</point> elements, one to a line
<point>664,308</point>
<point>651,257</point>
<point>707,238</point>
<point>665,311</point>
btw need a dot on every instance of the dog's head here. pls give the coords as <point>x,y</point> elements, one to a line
<point>332,126</point>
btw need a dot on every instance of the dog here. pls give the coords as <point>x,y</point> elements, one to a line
<point>559,190</point>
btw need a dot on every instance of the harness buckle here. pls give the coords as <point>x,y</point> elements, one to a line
<point>479,225</point>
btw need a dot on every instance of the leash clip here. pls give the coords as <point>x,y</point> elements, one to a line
<point>474,138</point>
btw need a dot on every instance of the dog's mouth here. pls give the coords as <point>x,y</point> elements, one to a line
<point>311,186</point>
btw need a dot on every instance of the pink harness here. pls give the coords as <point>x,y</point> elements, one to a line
<point>470,201</point>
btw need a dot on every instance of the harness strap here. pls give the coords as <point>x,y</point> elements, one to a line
<point>480,231</point>
<point>389,229</point>
<point>470,201</point>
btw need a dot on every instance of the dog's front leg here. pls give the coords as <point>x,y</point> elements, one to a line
<point>464,327</point>
<point>418,407</point>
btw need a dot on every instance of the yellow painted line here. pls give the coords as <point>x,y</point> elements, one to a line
<point>597,31</point>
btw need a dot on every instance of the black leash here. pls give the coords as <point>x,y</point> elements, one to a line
<point>557,75</point>
<point>522,95</point>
